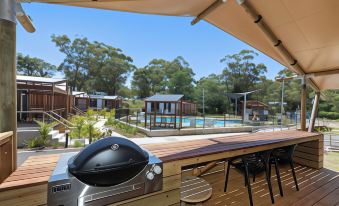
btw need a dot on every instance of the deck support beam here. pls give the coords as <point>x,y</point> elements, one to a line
<point>314,112</point>
<point>8,95</point>
<point>303,106</point>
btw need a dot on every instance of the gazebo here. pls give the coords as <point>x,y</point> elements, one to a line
<point>167,107</point>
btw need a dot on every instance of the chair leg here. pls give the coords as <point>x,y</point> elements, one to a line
<point>249,189</point>
<point>254,173</point>
<point>294,175</point>
<point>227,174</point>
<point>278,176</point>
<point>268,179</point>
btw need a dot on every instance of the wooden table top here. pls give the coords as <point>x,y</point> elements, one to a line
<point>168,152</point>
<point>36,170</point>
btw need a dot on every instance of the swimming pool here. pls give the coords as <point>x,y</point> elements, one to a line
<point>197,121</point>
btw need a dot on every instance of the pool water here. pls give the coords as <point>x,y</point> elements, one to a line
<point>199,122</point>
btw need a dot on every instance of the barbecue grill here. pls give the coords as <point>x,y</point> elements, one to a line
<point>110,170</point>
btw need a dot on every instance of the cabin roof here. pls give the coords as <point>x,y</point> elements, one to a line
<point>165,98</point>
<point>21,78</point>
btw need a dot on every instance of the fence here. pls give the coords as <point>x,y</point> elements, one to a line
<point>169,121</point>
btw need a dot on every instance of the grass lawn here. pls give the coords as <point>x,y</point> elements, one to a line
<point>331,160</point>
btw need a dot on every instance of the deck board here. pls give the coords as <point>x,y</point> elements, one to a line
<point>316,188</point>
<point>36,170</point>
<point>183,150</point>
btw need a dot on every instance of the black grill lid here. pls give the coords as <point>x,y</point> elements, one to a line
<point>109,161</point>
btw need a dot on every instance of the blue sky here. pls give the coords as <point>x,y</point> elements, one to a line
<point>143,37</point>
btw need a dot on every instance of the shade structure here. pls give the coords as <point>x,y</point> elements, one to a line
<point>307,29</point>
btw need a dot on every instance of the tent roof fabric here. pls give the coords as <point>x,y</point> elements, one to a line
<point>308,29</point>
<point>165,98</point>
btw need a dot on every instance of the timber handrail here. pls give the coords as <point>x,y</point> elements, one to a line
<point>5,135</point>
<point>61,118</point>
<point>78,110</point>
<point>51,116</point>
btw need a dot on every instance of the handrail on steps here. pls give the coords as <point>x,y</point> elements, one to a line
<point>51,116</point>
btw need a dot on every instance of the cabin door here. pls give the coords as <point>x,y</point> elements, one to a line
<point>22,105</point>
<point>99,104</point>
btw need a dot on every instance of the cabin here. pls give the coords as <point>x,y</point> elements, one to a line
<point>96,101</point>
<point>41,94</point>
<point>255,110</point>
<point>166,110</point>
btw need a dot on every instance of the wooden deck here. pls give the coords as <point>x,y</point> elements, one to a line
<point>28,185</point>
<point>317,187</point>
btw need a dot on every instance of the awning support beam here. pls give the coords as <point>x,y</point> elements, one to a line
<point>207,11</point>
<point>314,112</point>
<point>277,43</point>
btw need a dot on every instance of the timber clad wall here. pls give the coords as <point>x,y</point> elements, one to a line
<point>310,154</point>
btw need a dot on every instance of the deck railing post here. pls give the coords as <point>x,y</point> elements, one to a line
<point>8,95</point>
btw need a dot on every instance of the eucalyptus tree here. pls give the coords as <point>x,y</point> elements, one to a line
<point>93,66</point>
<point>32,66</point>
<point>241,73</point>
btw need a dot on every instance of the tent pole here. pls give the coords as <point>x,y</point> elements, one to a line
<point>8,92</point>
<point>303,106</point>
<point>277,43</point>
<point>314,112</point>
<point>207,11</point>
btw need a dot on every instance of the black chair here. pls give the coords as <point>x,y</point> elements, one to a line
<point>252,163</point>
<point>284,155</point>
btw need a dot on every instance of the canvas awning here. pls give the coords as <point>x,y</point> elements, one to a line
<point>303,35</point>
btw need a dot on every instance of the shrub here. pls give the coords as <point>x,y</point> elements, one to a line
<point>329,115</point>
<point>121,126</point>
<point>77,144</point>
<point>44,129</point>
<point>79,122</point>
<point>55,145</point>
<point>35,142</point>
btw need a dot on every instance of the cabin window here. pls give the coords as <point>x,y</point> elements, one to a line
<point>93,103</point>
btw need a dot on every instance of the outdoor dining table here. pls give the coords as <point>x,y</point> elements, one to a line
<point>28,184</point>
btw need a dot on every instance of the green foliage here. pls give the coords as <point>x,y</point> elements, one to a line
<point>121,126</point>
<point>36,142</point>
<point>215,99</point>
<point>134,104</point>
<point>161,76</point>
<point>241,73</point>
<point>103,113</point>
<point>329,115</point>
<point>90,130</point>
<point>55,145</point>
<point>93,66</point>
<point>44,129</point>
<point>78,144</point>
<point>32,66</point>
<point>79,122</point>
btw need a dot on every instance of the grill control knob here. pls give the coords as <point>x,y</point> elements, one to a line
<point>157,169</point>
<point>150,175</point>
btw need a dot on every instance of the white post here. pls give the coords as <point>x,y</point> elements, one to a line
<point>244,110</point>
<point>282,103</point>
<point>314,112</point>
<point>236,107</point>
<point>203,102</point>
